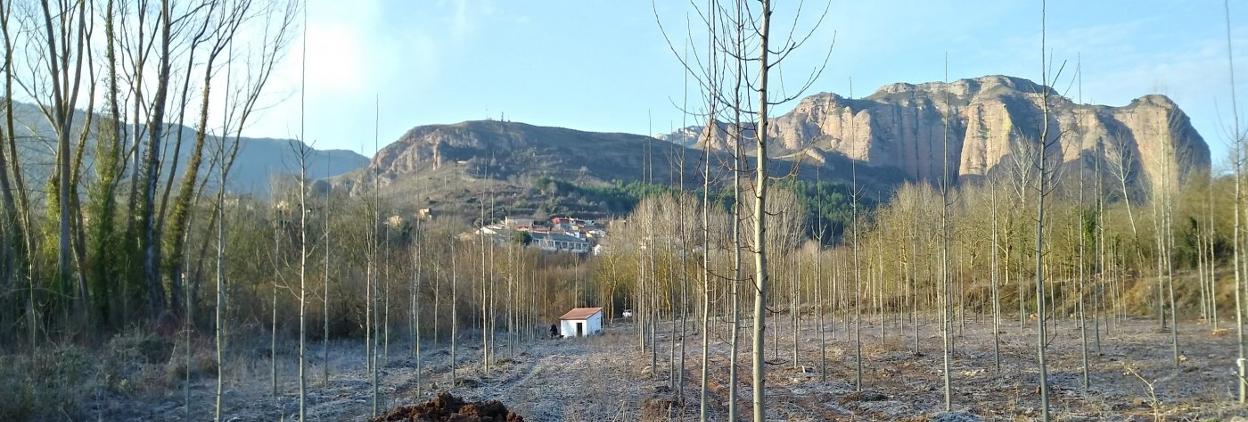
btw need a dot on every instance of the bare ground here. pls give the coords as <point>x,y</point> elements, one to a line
<point>608,378</point>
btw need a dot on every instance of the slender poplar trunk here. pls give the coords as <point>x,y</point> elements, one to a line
<point>760,218</point>
<point>1041,337</point>
<point>1236,246</point>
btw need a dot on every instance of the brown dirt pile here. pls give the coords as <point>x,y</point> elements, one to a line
<point>446,407</point>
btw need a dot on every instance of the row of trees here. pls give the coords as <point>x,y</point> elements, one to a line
<point>899,271</point>
<point>113,232</point>
<point>1068,235</point>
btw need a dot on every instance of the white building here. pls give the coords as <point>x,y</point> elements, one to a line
<point>581,322</point>
<point>516,222</point>
<point>559,242</point>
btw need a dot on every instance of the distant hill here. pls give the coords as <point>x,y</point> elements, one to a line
<point>259,159</point>
<point>527,169</point>
<point>894,135</point>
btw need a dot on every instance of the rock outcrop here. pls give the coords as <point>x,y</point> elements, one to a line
<point>990,121</point>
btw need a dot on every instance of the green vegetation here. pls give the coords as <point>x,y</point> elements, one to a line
<point>824,201</point>
<point>616,198</point>
<point>827,205</point>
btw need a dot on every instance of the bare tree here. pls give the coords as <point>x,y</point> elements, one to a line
<point>223,19</point>
<point>1082,231</point>
<point>240,104</point>
<point>946,303</point>
<point>994,272</point>
<point>278,222</point>
<point>374,249</point>
<point>416,305</point>
<point>225,152</point>
<point>66,39</point>
<point>706,270</point>
<point>24,239</point>
<point>13,242</point>
<point>855,238</point>
<point>738,157</point>
<point>1237,151</point>
<point>454,315</point>
<point>149,240</point>
<point>1044,173</point>
<point>767,60</point>
<point>485,338</point>
<point>303,151</point>
<point>327,214</point>
<point>1208,254</point>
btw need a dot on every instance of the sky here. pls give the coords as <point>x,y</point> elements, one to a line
<point>602,65</point>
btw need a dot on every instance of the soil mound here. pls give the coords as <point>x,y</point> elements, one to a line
<point>446,407</point>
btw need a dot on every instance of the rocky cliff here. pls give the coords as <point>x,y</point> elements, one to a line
<point>990,121</point>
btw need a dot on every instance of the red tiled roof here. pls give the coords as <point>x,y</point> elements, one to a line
<point>580,313</point>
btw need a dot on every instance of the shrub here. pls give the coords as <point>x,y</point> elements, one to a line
<point>49,386</point>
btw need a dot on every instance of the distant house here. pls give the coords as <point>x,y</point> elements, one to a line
<point>569,224</point>
<point>559,242</point>
<point>517,222</point>
<point>581,322</point>
<point>490,230</point>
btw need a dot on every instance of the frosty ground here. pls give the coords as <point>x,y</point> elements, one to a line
<point>609,378</point>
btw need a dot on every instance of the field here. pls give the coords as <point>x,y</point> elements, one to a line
<point>608,378</point>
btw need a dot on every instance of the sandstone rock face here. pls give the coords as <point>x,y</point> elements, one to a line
<point>979,126</point>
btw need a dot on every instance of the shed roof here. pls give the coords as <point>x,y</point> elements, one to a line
<point>581,313</point>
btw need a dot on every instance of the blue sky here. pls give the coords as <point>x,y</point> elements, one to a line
<point>604,65</point>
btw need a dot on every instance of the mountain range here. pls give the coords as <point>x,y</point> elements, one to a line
<point>259,160</point>
<point>524,168</point>
<point>899,133</point>
<point>896,134</point>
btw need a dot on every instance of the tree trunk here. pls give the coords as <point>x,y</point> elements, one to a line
<point>760,219</point>
<point>738,157</point>
<point>303,278</point>
<point>947,303</point>
<point>220,293</point>
<point>996,297</point>
<point>1041,337</point>
<point>150,236</point>
<point>454,315</point>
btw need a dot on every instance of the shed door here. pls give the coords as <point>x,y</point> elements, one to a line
<point>580,329</point>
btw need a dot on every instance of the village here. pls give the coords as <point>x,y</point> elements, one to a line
<point>556,235</point>
<point>561,234</point>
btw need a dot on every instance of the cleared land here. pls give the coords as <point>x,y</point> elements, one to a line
<point>608,378</point>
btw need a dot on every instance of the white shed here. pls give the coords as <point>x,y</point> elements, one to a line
<point>580,322</point>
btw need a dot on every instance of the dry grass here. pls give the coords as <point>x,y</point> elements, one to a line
<point>139,376</point>
<point>50,385</point>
